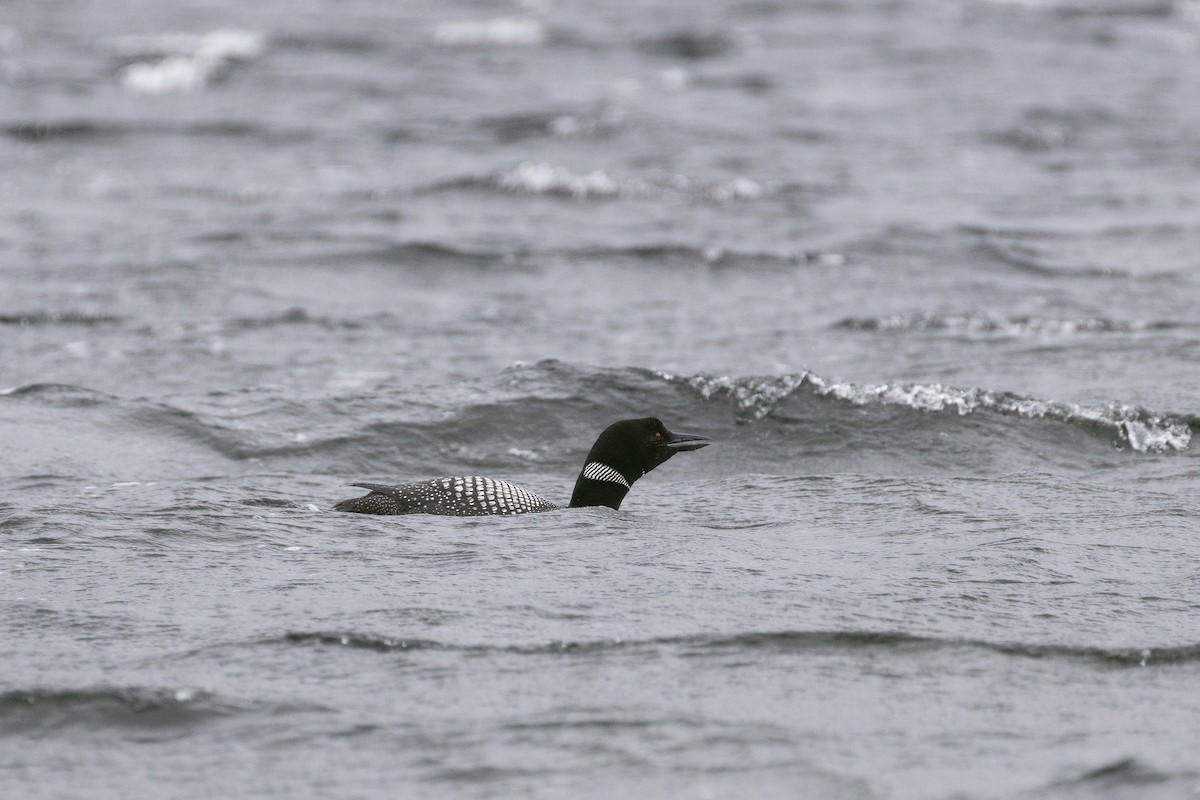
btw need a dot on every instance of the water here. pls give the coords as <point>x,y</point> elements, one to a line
<point>927,272</point>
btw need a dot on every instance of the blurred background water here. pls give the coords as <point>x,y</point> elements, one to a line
<point>927,271</point>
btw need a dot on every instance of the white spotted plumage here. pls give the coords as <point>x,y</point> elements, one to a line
<point>466,496</point>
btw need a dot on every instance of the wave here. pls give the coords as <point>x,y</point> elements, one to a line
<point>788,641</point>
<point>22,711</point>
<point>48,318</point>
<point>121,425</point>
<point>685,255</point>
<point>60,394</point>
<point>670,255</point>
<point>976,323</point>
<point>1122,777</point>
<point>544,179</point>
<point>538,178</point>
<point>436,254</point>
<point>71,129</point>
<point>289,317</point>
<point>183,62</point>
<point>301,317</point>
<point>1107,656</point>
<point>1119,252</point>
<point>1140,429</point>
<point>544,416</point>
<point>359,641</point>
<point>49,130</point>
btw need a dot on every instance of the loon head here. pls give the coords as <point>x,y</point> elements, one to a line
<point>624,452</point>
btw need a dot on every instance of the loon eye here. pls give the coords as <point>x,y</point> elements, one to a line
<point>657,436</point>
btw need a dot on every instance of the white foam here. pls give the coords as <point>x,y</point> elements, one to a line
<point>172,74</point>
<point>505,31</point>
<point>758,396</point>
<point>934,397</point>
<point>542,178</point>
<point>1141,430</point>
<point>1155,435</point>
<point>185,63</point>
<point>535,177</point>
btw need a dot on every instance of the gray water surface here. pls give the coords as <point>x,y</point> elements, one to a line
<point>927,272</point>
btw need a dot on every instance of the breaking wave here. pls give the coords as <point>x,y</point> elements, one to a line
<point>1139,428</point>
<point>542,417</point>
<point>183,62</point>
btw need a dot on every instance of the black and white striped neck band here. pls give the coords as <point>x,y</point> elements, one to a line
<point>603,472</point>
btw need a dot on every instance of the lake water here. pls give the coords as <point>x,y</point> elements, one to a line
<point>928,273</point>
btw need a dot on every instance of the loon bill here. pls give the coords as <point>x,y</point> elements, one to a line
<point>624,452</point>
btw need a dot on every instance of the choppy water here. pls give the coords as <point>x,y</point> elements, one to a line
<point>927,271</point>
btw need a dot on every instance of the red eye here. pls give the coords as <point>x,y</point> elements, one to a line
<point>658,437</point>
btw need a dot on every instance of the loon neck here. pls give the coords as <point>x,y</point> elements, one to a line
<point>600,485</point>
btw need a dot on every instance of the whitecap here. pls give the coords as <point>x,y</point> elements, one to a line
<point>542,178</point>
<point>172,74</point>
<point>1140,429</point>
<point>186,63</point>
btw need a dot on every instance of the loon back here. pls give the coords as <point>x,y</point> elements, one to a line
<point>624,452</point>
<point>452,497</point>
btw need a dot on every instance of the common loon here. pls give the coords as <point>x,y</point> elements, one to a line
<point>624,452</point>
